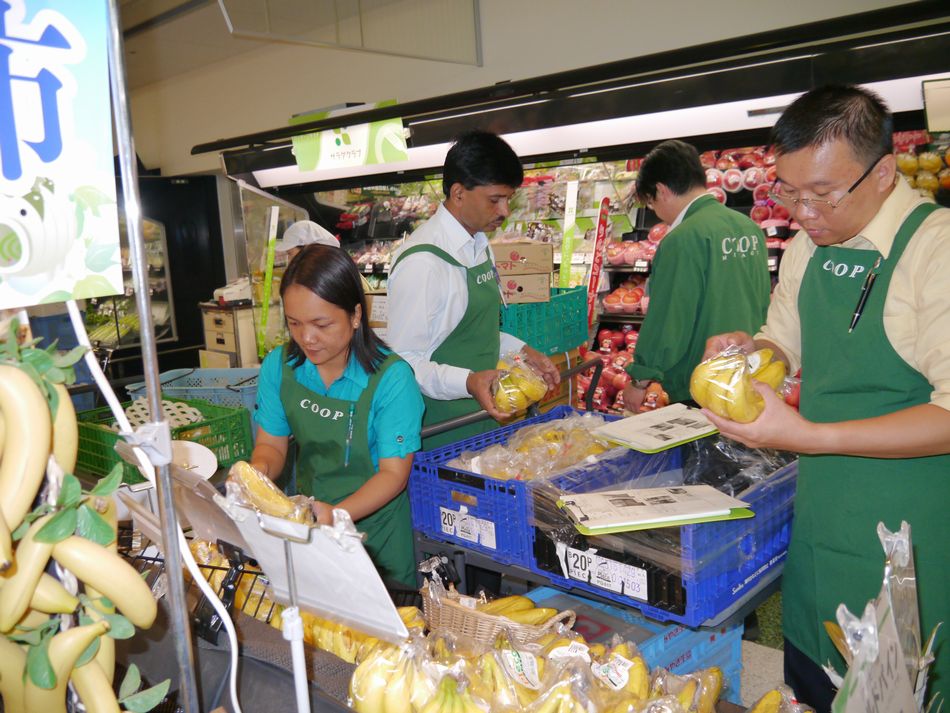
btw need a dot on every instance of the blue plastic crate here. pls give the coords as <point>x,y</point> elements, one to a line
<point>235,388</point>
<point>717,564</point>
<point>677,648</point>
<point>550,327</point>
<point>482,513</point>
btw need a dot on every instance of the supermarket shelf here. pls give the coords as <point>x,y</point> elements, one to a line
<point>620,318</point>
<point>638,266</point>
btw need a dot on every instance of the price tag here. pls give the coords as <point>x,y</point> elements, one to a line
<point>615,673</point>
<point>447,520</point>
<point>575,648</point>
<point>586,566</point>
<point>522,667</point>
<point>641,265</point>
<point>468,602</point>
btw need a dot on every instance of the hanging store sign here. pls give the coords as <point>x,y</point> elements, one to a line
<point>348,146</point>
<point>59,234</point>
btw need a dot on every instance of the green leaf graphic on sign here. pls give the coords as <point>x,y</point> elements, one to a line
<point>387,142</point>
<point>93,286</point>
<point>11,249</point>
<point>100,257</point>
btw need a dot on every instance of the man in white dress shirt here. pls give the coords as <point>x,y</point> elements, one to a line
<point>444,297</point>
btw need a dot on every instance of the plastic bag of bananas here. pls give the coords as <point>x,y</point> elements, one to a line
<point>518,385</point>
<point>779,700</point>
<point>723,383</point>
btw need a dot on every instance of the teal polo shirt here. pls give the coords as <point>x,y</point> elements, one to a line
<point>395,418</point>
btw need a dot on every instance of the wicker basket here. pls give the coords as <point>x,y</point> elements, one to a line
<point>447,613</point>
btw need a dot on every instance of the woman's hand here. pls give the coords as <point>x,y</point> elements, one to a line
<point>323,512</point>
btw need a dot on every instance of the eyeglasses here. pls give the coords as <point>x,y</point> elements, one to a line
<point>820,205</point>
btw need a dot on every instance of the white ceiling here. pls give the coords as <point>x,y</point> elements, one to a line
<point>166,38</point>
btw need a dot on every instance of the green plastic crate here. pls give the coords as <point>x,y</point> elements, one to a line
<point>550,327</point>
<point>225,430</point>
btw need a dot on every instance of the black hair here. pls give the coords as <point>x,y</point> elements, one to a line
<point>331,275</point>
<point>480,158</point>
<point>673,163</point>
<point>836,111</point>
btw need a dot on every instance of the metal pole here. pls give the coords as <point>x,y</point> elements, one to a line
<point>181,631</point>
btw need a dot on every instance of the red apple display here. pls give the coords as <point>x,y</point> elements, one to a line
<point>780,212</point>
<point>717,193</point>
<point>615,254</point>
<point>658,232</point>
<point>732,180</point>
<point>708,159</point>
<point>760,194</point>
<point>725,163</point>
<point>713,177</point>
<point>612,305</point>
<point>753,177</point>
<point>760,213</point>
<point>771,174</point>
<point>629,302</point>
<point>632,252</point>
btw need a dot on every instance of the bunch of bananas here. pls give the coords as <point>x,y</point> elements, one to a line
<point>696,692</point>
<point>261,494</point>
<point>778,700</point>
<point>452,697</point>
<point>344,642</point>
<point>723,383</point>
<point>36,611</point>
<point>392,680</point>
<point>518,386</point>
<point>517,609</point>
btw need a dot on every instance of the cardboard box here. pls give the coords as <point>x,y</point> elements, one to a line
<point>523,258</point>
<point>377,304</point>
<point>520,289</point>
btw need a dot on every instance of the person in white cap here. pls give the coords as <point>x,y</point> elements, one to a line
<point>301,234</point>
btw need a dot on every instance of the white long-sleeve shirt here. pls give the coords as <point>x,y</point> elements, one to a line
<point>428,298</point>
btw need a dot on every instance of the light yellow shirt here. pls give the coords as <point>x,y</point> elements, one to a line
<point>917,305</point>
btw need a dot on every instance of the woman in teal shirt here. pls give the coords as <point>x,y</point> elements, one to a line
<point>353,407</point>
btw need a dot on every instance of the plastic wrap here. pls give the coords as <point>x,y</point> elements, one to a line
<point>540,449</point>
<point>779,700</point>
<point>726,465</point>
<point>518,385</point>
<point>723,383</point>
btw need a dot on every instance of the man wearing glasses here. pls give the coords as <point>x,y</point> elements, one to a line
<point>863,305</point>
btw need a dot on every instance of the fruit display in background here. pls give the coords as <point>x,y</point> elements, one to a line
<point>717,193</point>
<point>732,180</point>
<point>713,178</point>
<point>929,161</point>
<point>927,180</point>
<point>760,193</point>
<point>658,232</point>
<point>760,213</point>
<point>753,177</point>
<point>907,163</point>
<point>943,178</point>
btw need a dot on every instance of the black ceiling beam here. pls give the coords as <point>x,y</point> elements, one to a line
<point>761,44</point>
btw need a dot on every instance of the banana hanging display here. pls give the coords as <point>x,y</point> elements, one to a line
<point>723,383</point>
<point>51,636</point>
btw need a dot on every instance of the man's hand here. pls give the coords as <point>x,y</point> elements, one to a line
<point>544,365</point>
<point>478,385</point>
<point>779,426</point>
<point>721,342</point>
<point>633,397</point>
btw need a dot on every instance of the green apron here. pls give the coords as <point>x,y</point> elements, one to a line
<point>835,555</point>
<point>473,344</point>
<point>322,427</point>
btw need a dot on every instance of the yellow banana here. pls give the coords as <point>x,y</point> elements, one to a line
<point>369,681</point>
<point>710,690</point>
<point>396,698</point>
<point>21,581</point>
<point>64,650</point>
<point>513,603</point>
<point>65,431</point>
<point>687,695</point>
<point>262,494</point>
<point>772,374</point>
<point>442,701</point>
<point>530,384</point>
<point>533,617</point>
<point>746,403</point>
<point>6,544</point>
<point>597,651</point>
<point>105,656</point>
<point>108,573</point>
<point>769,703</point>
<point>27,441</point>
<point>760,358</point>
<point>12,668</point>
<point>94,688</point>
<point>638,678</point>
<point>51,597</point>
<point>421,690</point>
